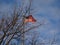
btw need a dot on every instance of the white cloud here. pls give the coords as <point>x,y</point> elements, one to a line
<point>45,7</point>
<point>53,31</point>
<point>5,7</point>
<point>6,10</point>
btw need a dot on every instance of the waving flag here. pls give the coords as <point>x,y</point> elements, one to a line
<point>30,18</point>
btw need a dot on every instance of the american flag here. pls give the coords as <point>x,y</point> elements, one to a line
<point>30,18</point>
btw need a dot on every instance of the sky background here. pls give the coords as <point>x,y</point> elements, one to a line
<point>44,10</point>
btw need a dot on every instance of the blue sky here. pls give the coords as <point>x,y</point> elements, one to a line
<point>44,10</point>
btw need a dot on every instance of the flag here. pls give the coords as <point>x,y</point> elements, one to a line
<point>30,18</point>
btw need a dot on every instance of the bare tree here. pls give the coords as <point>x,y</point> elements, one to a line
<point>14,25</point>
<point>53,40</point>
<point>34,38</point>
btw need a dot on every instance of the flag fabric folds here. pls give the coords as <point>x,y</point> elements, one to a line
<point>30,18</point>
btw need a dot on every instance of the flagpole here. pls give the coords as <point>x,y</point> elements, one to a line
<point>23,36</point>
<point>22,43</point>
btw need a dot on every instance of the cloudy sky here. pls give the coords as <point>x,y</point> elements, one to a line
<point>44,10</point>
